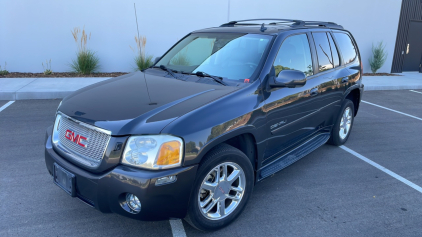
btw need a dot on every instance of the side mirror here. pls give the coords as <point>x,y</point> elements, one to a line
<point>157,59</point>
<point>289,78</point>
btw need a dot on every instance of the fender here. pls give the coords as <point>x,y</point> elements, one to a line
<point>247,129</point>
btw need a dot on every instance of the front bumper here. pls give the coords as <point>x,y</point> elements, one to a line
<point>105,191</point>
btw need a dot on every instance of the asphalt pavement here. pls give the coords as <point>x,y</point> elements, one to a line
<point>330,192</point>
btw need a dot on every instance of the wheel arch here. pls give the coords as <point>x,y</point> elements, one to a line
<point>355,96</point>
<point>242,138</point>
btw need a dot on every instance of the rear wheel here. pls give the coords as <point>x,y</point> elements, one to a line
<point>344,123</point>
<point>222,188</point>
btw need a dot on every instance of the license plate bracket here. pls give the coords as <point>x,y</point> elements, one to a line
<point>64,179</point>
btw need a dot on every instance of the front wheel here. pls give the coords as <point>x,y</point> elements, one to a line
<point>222,188</point>
<point>343,126</point>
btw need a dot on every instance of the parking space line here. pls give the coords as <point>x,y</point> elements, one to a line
<point>177,228</point>
<point>392,110</point>
<point>383,169</point>
<point>416,91</point>
<point>6,105</point>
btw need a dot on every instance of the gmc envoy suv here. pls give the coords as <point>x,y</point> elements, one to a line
<point>223,109</point>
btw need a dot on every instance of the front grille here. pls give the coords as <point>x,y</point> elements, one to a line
<point>96,140</point>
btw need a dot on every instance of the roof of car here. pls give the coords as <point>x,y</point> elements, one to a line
<point>268,26</point>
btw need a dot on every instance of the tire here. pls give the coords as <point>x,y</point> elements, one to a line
<point>338,138</point>
<point>237,163</point>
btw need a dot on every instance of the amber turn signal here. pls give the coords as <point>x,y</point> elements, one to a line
<point>169,153</point>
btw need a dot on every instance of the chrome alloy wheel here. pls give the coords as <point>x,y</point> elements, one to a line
<point>345,123</point>
<point>221,191</point>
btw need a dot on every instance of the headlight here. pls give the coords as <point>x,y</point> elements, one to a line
<point>153,152</point>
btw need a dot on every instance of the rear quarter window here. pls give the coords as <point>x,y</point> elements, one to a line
<point>346,46</point>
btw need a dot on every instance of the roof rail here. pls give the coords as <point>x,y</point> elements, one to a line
<point>232,23</point>
<point>296,23</point>
<point>322,23</point>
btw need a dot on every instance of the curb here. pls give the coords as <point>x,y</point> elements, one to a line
<point>61,94</point>
<point>58,88</point>
<point>391,88</point>
<point>43,88</point>
<point>34,95</point>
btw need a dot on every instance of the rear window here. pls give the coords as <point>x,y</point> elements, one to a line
<point>346,46</point>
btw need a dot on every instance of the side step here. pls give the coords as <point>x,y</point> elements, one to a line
<point>294,155</point>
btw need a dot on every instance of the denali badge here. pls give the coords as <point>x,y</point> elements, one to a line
<point>78,139</point>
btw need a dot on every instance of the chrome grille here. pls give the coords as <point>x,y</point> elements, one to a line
<point>96,142</point>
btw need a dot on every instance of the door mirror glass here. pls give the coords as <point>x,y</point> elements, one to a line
<point>289,78</point>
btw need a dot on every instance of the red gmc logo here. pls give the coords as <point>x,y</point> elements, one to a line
<point>78,139</point>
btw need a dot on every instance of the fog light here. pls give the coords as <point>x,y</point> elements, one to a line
<point>133,202</point>
<point>165,180</point>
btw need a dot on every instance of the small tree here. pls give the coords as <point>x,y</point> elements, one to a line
<point>378,57</point>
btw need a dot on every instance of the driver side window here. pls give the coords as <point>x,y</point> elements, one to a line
<point>294,54</point>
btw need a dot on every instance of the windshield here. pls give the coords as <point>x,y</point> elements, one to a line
<point>230,55</point>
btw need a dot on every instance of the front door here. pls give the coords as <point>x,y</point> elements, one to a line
<point>413,50</point>
<point>290,111</point>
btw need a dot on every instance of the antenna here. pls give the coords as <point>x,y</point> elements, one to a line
<point>228,11</point>
<point>145,79</point>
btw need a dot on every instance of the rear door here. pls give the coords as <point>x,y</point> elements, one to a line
<point>350,60</point>
<point>330,76</point>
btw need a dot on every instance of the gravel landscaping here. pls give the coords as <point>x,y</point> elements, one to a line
<point>380,74</point>
<point>60,74</point>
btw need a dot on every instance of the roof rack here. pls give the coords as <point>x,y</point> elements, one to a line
<point>232,23</point>
<point>296,23</point>
<point>322,23</point>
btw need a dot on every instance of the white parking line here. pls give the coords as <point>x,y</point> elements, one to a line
<point>177,228</point>
<point>6,105</point>
<point>416,91</point>
<point>383,169</point>
<point>392,110</point>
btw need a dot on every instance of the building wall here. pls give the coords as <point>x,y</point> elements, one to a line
<point>410,10</point>
<point>32,32</point>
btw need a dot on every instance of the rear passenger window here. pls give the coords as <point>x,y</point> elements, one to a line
<point>325,60</point>
<point>294,54</point>
<point>336,58</point>
<point>346,47</point>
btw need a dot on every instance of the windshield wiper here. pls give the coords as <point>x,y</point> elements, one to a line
<point>167,70</point>
<point>215,78</point>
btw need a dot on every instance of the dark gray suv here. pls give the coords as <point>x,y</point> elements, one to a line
<point>223,109</point>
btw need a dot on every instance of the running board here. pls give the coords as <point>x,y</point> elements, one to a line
<point>294,155</point>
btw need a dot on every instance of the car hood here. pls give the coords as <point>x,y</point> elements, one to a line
<point>138,103</point>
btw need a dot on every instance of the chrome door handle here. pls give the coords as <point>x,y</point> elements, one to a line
<point>345,79</point>
<point>314,92</point>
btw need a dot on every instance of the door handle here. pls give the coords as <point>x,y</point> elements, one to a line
<point>314,92</point>
<point>345,79</point>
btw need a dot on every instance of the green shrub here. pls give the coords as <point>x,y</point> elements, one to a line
<point>4,71</point>
<point>86,61</point>
<point>143,62</point>
<point>47,67</point>
<point>378,57</point>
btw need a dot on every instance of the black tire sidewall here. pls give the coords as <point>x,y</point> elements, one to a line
<point>335,136</point>
<point>222,153</point>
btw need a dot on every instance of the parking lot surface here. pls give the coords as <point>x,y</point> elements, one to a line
<point>330,192</point>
